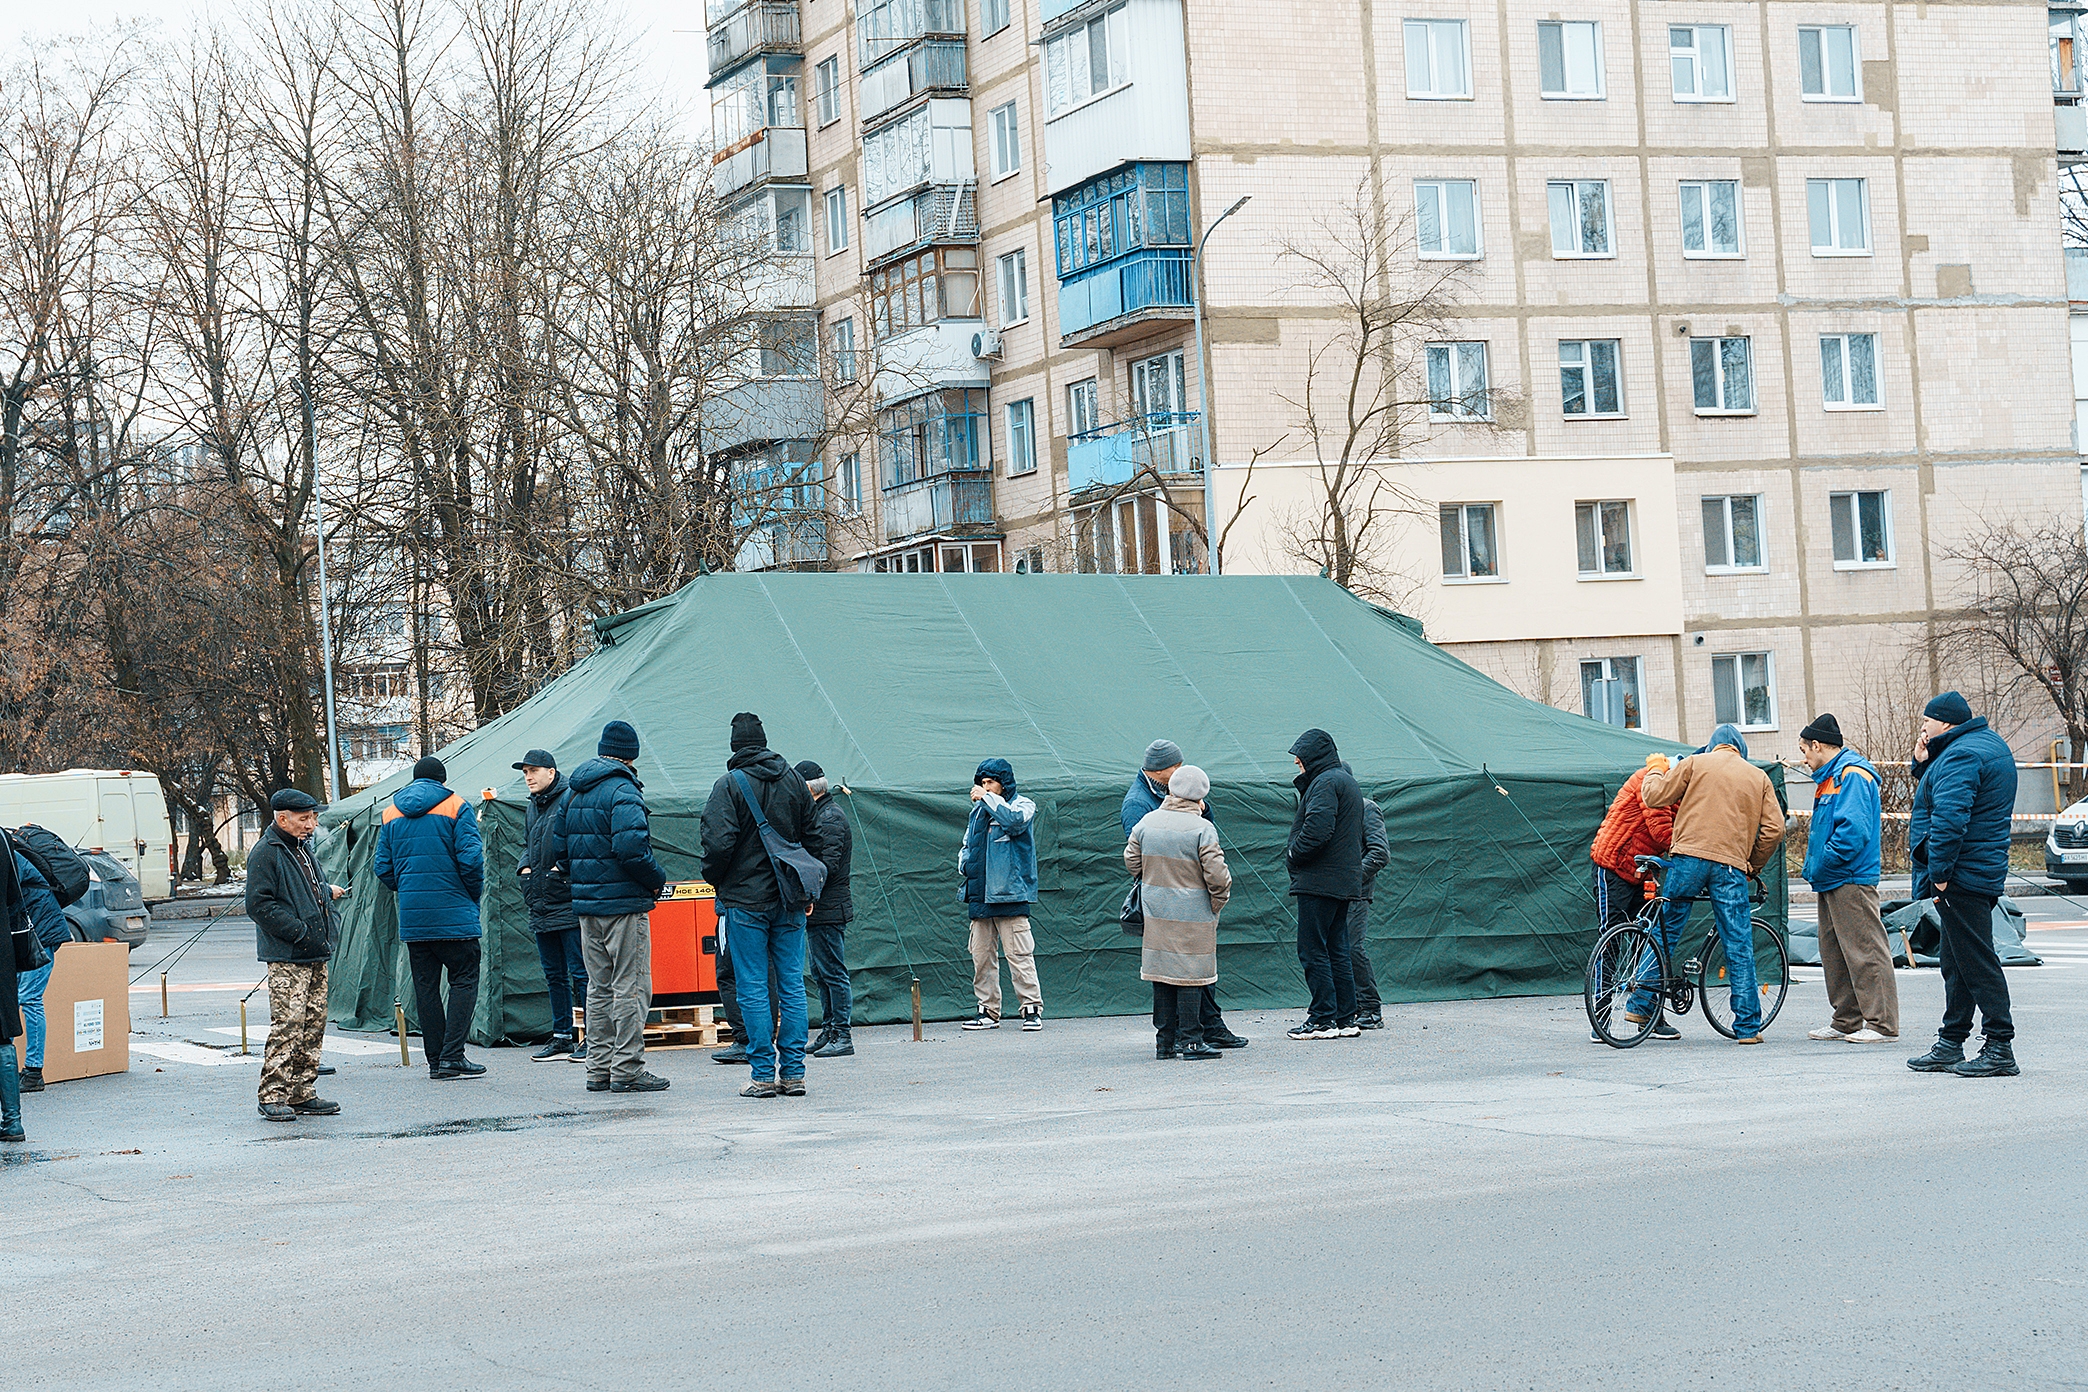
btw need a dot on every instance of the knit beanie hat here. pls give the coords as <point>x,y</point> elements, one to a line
<point>431,767</point>
<point>1950,708</point>
<point>1162,754</point>
<point>747,732</point>
<point>619,741</point>
<point>1190,783</point>
<point>1824,730</point>
<point>808,771</point>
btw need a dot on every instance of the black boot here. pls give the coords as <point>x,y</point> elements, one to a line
<point>32,1080</point>
<point>839,1044</point>
<point>1996,1060</point>
<point>735,1052</point>
<point>1189,1039</point>
<point>1164,1046</point>
<point>1943,1056</point>
<point>819,1041</point>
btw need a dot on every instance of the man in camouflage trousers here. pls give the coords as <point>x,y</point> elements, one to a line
<point>295,933</point>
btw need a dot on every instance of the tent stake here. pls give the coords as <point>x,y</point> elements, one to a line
<point>399,1019</point>
<point>163,995</point>
<point>917,1009</point>
<point>242,1027</point>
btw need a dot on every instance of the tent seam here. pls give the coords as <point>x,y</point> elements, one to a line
<point>1390,709</point>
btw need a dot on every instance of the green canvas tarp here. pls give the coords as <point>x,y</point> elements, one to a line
<point>900,685</point>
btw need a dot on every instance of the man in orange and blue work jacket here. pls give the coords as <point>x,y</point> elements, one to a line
<point>1842,859</point>
<point>429,854</point>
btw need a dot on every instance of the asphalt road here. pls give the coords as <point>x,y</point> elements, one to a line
<point>1476,1198</point>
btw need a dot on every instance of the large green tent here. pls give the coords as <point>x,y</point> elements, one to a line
<point>900,685</point>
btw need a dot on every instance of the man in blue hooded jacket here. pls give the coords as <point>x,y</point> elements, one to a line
<point>429,855</point>
<point>999,864</point>
<point>604,836</point>
<point>1957,839</point>
<point>1841,864</point>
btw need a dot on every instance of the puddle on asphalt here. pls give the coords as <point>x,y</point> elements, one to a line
<point>471,1126</point>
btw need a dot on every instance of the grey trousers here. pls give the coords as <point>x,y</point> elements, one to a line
<point>618,953</point>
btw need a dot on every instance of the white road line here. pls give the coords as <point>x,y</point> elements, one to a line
<point>334,1044</point>
<point>173,1051</point>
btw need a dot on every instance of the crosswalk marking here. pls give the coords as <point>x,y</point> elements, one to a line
<point>174,1051</point>
<point>334,1044</point>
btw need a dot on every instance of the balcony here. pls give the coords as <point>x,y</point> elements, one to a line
<point>767,26</point>
<point>932,357</point>
<point>938,504</point>
<point>935,66</point>
<point>943,216</point>
<point>796,539</point>
<point>1119,300</point>
<point>770,408</point>
<point>773,152</point>
<point>883,27</point>
<point>1162,443</point>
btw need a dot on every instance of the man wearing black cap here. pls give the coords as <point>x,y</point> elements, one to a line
<point>429,854</point>
<point>295,933</point>
<point>826,927</point>
<point>548,891</point>
<point>1842,861</point>
<point>1957,839</point>
<point>607,834</point>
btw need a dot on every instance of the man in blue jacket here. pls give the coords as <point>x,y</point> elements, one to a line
<point>429,855</point>
<point>999,864</point>
<point>54,932</point>
<point>605,839</point>
<point>1841,864</point>
<point>1964,806</point>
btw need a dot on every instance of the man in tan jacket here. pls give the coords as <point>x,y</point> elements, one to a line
<point>1727,825</point>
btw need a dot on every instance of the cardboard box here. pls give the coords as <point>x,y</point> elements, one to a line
<point>87,1010</point>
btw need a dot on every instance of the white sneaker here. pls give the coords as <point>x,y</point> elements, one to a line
<point>983,1022</point>
<point>1827,1032</point>
<point>1867,1035</point>
<point>1348,1031</point>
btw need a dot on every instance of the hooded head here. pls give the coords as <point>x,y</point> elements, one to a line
<point>1315,749</point>
<point>431,769</point>
<point>1190,783</point>
<point>747,732</point>
<point>619,741</point>
<point>1730,736</point>
<point>999,769</point>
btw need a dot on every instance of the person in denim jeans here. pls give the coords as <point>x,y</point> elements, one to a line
<point>1727,825</point>
<point>51,928</point>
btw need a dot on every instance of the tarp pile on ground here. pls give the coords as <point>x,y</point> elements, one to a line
<point>1917,926</point>
<point>899,685</point>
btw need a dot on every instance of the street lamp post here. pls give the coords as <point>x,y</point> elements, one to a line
<point>333,747</point>
<point>1203,387</point>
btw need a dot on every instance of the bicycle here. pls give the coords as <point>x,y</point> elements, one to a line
<point>1626,956</point>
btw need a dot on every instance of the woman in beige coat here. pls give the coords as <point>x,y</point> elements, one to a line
<point>1184,883</point>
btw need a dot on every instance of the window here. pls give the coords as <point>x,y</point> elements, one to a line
<point>1827,63</point>
<point>1446,218</point>
<point>1602,537</point>
<point>1569,60</point>
<point>1007,140</point>
<point>850,482</point>
<point>1610,691</point>
<point>1129,210</point>
<point>1710,218</point>
<point>1580,217</point>
<point>1840,210</point>
<point>939,433</point>
<point>1086,61</point>
<point>1849,371</point>
<point>1743,690</point>
<point>1457,382</point>
<point>993,16</point>
<point>1030,562</point>
<point>1469,552</point>
<point>931,143</point>
<point>1732,533</point>
<point>1722,372</point>
<point>1589,383</point>
<point>1862,525</point>
<point>789,348</point>
<point>826,82</point>
<point>1022,436</point>
<point>1702,57</point>
<point>1436,60</point>
<point>837,219</point>
<point>1082,412</point>
<point>939,284</point>
<point>1014,287</point>
<point>844,351</point>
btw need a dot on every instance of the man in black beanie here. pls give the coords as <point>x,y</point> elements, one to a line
<point>826,927</point>
<point>429,854</point>
<point>606,836</point>
<point>1842,862</point>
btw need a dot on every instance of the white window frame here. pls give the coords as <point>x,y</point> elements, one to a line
<point>836,209</point>
<point>1566,75</point>
<point>1842,348</point>
<point>1083,406</point>
<point>1439,189</point>
<point>826,86</point>
<point>1702,189</point>
<point>1609,219</point>
<point>1596,511</point>
<point>1718,352</point>
<point>1012,275</point>
<point>845,350</point>
<point>1694,56</point>
<point>1463,575</point>
<point>1819,33</point>
<point>1586,367</point>
<point>1021,417</point>
<point>1006,140</point>
<point>993,17</point>
<point>1062,49</point>
<point>848,483</point>
<point>1731,566</point>
<point>1430,33</point>
<point>1736,664</point>
<point>1455,405</point>
<point>1851,501</point>
<point>1825,195</point>
<point>1617,666</point>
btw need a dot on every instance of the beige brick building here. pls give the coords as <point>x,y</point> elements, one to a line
<point>1761,306</point>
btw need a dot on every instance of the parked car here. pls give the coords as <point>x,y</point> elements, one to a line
<point>2066,848</point>
<point>113,908</point>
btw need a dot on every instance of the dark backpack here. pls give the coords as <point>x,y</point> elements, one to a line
<point>59,864</point>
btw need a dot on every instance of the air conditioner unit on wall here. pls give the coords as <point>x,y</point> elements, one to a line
<point>986,345</point>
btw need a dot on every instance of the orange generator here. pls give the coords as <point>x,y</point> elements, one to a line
<point>685,945</point>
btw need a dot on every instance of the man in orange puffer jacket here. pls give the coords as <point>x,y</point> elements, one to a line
<point>1630,829</point>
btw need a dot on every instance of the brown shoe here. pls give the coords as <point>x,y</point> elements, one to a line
<point>1754,1040</point>
<point>760,1087</point>
<point>791,1087</point>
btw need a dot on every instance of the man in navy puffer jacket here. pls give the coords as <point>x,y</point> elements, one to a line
<point>429,855</point>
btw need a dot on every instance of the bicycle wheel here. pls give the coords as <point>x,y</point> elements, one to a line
<point>1625,959</point>
<point>1772,978</point>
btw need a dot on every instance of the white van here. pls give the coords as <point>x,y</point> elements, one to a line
<point>116,810</point>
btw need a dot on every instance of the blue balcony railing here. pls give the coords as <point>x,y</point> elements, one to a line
<point>1157,279</point>
<point>1162,443</point>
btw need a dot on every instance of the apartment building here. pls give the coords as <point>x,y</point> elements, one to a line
<point>1760,307</point>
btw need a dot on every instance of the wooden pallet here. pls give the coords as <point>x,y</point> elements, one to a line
<point>686,1027</point>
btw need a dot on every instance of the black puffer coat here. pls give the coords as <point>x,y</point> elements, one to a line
<point>547,883</point>
<point>836,849</point>
<point>1325,854</point>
